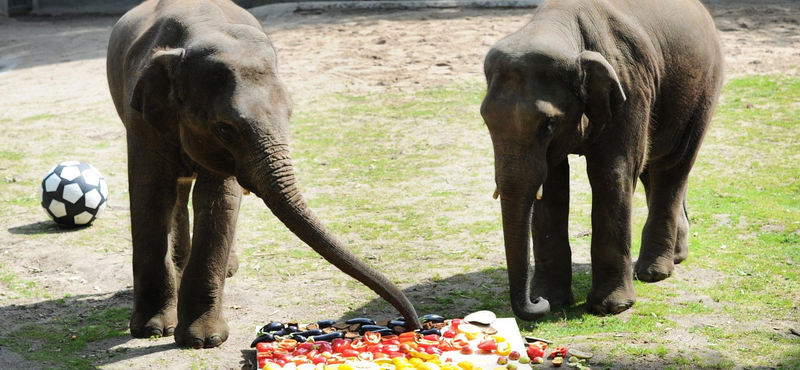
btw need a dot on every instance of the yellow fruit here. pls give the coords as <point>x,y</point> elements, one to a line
<point>428,366</point>
<point>414,361</point>
<point>471,331</point>
<point>466,365</point>
<point>272,366</point>
<point>345,366</point>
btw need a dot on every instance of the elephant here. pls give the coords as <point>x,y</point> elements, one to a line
<point>196,85</point>
<point>631,86</point>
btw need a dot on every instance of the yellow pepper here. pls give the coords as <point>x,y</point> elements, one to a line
<point>466,365</point>
<point>428,366</point>
<point>503,349</point>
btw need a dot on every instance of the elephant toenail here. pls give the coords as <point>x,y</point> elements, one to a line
<point>195,343</point>
<point>619,308</point>
<point>600,310</point>
<point>214,341</point>
<point>169,331</point>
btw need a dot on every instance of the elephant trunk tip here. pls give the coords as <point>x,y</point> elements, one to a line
<point>533,311</point>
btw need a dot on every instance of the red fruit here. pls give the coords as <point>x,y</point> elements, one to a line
<point>467,349</point>
<point>537,360</point>
<point>263,347</point>
<point>534,352</point>
<point>502,360</point>
<point>514,356</point>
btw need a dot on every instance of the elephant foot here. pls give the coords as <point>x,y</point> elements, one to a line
<point>233,265</point>
<point>207,331</point>
<point>158,325</point>
<point>618,301</point>
<point>652,271</point>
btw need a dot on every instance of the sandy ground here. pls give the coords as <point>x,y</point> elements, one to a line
<point>53,65</point>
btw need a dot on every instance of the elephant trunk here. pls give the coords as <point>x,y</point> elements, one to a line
<point>274,181</point>
<point>516,201</point>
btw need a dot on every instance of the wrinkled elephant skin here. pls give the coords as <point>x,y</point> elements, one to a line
<point>631,85</point>
<point>196,85</point>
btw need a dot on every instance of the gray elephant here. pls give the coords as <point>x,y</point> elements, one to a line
<point>631,85</point>
<point>196,84</point>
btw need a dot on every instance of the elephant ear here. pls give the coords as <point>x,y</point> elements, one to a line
<point>152,94</point>
<point>601,89</point>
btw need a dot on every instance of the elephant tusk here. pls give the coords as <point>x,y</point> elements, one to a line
<point>496,193</point>
<point>539,192</point>
<point>245,191</point>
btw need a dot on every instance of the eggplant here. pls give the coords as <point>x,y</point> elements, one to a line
<point>325,323</point>
<point>287,330</point>
<point>308,333</point>
<point>267,337</point>
<point>272,326</point>
<point>360,321</point>
<point>385,331</point>
<point>431,331</point>
<point>373,328</point>
<point>299,338</point>
<point>327,337</point>
<point>431,317</point>
<point>394,323</point>
<point>401,318</point>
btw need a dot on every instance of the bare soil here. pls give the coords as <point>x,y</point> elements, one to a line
<point>56,66</point>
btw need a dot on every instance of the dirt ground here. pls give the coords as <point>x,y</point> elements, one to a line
<point>53,65</point>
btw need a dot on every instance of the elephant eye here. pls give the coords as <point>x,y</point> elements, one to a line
<point>548,128</point>
<point>224,131</point>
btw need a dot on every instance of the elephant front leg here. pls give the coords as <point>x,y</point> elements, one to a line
<point>152,200</point>
<point>200,318</point>
<point>552,278</point>
<point>612,274</point>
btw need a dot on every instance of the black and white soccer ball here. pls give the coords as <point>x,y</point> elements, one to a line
<point>73,193</point>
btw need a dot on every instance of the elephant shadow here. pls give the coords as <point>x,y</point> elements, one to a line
<point>461,294</point>
<point>67,323</point>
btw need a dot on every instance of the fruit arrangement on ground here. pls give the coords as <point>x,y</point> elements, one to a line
<point>363,344</point>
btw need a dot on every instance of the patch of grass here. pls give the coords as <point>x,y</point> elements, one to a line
<point>18,287</point>
<point>39,117</point>
<point>361,161</point>
<point>61,343</point>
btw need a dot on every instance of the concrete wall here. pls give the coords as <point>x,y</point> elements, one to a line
<point>115,7</point>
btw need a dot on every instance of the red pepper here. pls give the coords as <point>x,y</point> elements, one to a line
<point>450,333</point>
<point>431,337</point>
<point>340,344</point>
<point>349,352</point>
<point>454,323</point>
<point>487,345</point>
<point>357,344</point>
<point>408,336</point>
<point>558,352</point>
<point>372,338</point>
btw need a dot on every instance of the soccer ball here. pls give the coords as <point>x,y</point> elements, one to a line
<point>73,193</point>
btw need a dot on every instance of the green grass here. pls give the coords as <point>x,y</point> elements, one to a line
<point>744,209</point>
<point>61,343</point>
<point>406,180</point>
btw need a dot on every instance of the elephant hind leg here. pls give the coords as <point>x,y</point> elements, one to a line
<point>180,240</point>
<point>660,234</point>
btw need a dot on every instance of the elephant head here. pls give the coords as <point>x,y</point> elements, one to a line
<point>226,107</point>
<point>536,105</point>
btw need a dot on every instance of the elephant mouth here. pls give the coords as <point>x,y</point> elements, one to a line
<point>539,192</point>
